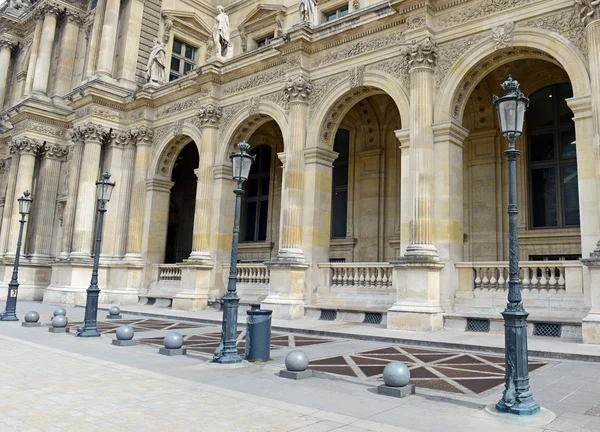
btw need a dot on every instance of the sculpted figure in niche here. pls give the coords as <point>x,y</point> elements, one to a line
<point>223,46</point>
<point>308,10</point>
<point>155,70</point>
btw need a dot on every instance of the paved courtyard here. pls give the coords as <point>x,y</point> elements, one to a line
<point>57,382</point>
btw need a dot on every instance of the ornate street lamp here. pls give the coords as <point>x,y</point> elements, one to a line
<point>9,313</point>
<point>88,328</point>
<point>517,397</point>
<point>227,350</point>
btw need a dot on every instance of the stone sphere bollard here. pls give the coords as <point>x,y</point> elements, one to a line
<point>125,332</point>
<point>296,361</point>
<point>59,321</point>
<point>114,311</point>
<point>60,311</point>
<point>173,341</point>
<point>396,374</point>
<point>32,317</point>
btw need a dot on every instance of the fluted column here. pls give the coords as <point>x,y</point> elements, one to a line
<point>45,208</point>
<point>209,116</point>
<point>297,91</point>
<point>83,231</point>
<point>66,55</point>
<point>120,160</point>
<point>6,47</point>
<point>106,55</point>
<point>96,33</point>
<point>29,149</point>
<point>74,165</point>
<point>143,138</point>
<point>131,43</point>
<point>35,49</point>
<point>42,65</point>
<point>421,61</point>
<point>9,199</point>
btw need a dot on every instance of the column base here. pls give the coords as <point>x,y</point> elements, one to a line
<point>421,251</point>
<point>133,257</point>
<point>80,257</point>
<point>590,328</point>
<point>286,289</point>
<point>417,307</point>
<point>199,256</point>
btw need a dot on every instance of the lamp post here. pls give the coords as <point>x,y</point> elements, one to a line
<point>227,351</point>
<point>517,397</point>
<point>88,328</point>
<point>9,313</point>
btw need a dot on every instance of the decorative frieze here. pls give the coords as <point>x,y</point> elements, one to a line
<point>98,111</point>
<point>422,53</point>
<point>503,35</point>
<point>267,77</point>
<point>589,10</point>
<point>177,107</point>
<point>297,89</point>
<point>361,47</point>
<point>209,115</point>
<point>41,128</point>
<point>415,21</point>
<point>478,10</point>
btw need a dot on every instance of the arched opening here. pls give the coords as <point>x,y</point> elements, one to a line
<point>365,198</point>
<point>182,202</point>
<point>547,169</point>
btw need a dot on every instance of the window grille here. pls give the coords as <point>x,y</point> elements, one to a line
<point>547,330</point>
<point>372,318</point>
<point>328,315</point>
<point>478,325</point>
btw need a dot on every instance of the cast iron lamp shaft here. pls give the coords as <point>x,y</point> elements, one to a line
<point>227,351</point>
<point>89,326</point>
<point>10,313</point>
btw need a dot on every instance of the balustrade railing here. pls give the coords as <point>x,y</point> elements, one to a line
<point>168,272</point>
<point>252,274</point>
<point>359,275</point>
<point>535,276</point>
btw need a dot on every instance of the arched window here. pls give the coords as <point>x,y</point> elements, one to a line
<point>339,190</point>
<point>255,206</point>
<point>553,186</point>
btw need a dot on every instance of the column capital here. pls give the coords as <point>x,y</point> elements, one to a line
<point>142,135</point>
<point>74,17</point>
<point>210,115</point>
<point>91,132</point>
<point>297,89</point>
<point>122,138</point>
<point>422,54</point>
<point>320,156</point>
<point>25,146</point>
<point>55,152</point>
<point>49,9</point>
<point>7,43</point>
<point>589,10</point>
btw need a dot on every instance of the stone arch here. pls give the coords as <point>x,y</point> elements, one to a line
<point>340,100</point>
<point>247,121</point>
<point>470,68</point>
<point>169,147</point>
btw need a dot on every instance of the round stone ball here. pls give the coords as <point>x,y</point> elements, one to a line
<point>125,332</point>
<point>60,311</point>
<point>59,321</point>
<point>114,311</point>
<point>173,341</point>
<point>32,317</point>
<point>296,361</point>
<point>396,374</point>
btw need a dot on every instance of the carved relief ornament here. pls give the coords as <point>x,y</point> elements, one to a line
<point>589,10</point>
<point>503,35</point>
<point>26,146</point>
<point>297,89</point>
<point>209,115</point>
<point>90,131</point>
<point>423,53</point>
<point>53,151</point>
<point>142,135</point>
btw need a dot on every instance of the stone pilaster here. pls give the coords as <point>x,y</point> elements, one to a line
<point>209,116</point>
<point>29,149</point>
<point>106,54</point>
<point>44,59</point>
<point>9,199</point>
<point>422,57</point>
<point>96,33</point>
<point>131,43</point>
<point>94,137</point>
<point>287,284</point>
<point>66,55</point>
<point>143,139</point>
<point>154,239</point>
<point>35,49</point>
<point>49,176</point>
<point>6,47</point>
<point>74,165</point>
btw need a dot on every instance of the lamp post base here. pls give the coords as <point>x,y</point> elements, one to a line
<point>12,317</point>
<point>227,352</point>
<point>517,397</point>
<point>88,333</point>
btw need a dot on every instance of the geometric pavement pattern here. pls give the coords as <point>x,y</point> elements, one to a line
<point>139,325</point>
<point>207,343</point>
<point>447,371</point>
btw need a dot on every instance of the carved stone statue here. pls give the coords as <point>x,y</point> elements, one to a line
<point>19,4</point>
<point>223,46</point>
<point>308,10</point>
<point>155,70</point>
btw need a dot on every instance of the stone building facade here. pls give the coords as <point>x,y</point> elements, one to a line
<point>379,187</point>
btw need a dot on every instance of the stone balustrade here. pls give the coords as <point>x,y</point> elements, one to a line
<point>372,275</point>
<point>168,272</point>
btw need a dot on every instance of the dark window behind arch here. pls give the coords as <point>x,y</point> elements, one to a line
<point>339,189</point>
<point>255,206</point>
<point>553,185</point>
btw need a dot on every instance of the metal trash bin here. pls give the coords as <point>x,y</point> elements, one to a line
<point>258,334</point>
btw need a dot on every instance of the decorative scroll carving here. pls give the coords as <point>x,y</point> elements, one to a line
<point>589,10</point>
<point>478,10</point>
<point>99,112</point>
<point>297,89</point>
<point>244,39</point>
<point>161,132</point>
<point>357,76</point>
<point>278,98</point>
<point>178,106</point>
<point>356,4</point>
<point>253,107</point>
<point>142,135</point>
<point>177,127</point>
<point>415,22</point>
<point>168,25</point>
<point>422,53</point>
<point>360,47</point>
<point>567,24</point>
<point>320,88</point>
<point>448,55</point>
<point>210,115</point>
<point>229,112</point>
<point>257,80</point>
<point>503,35</point>
<point>396,67</point>
<point>41,128</point>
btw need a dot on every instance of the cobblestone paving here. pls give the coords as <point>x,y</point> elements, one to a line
<point>139,325</point>
<point>447,371</point>
<point>207,343</point>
